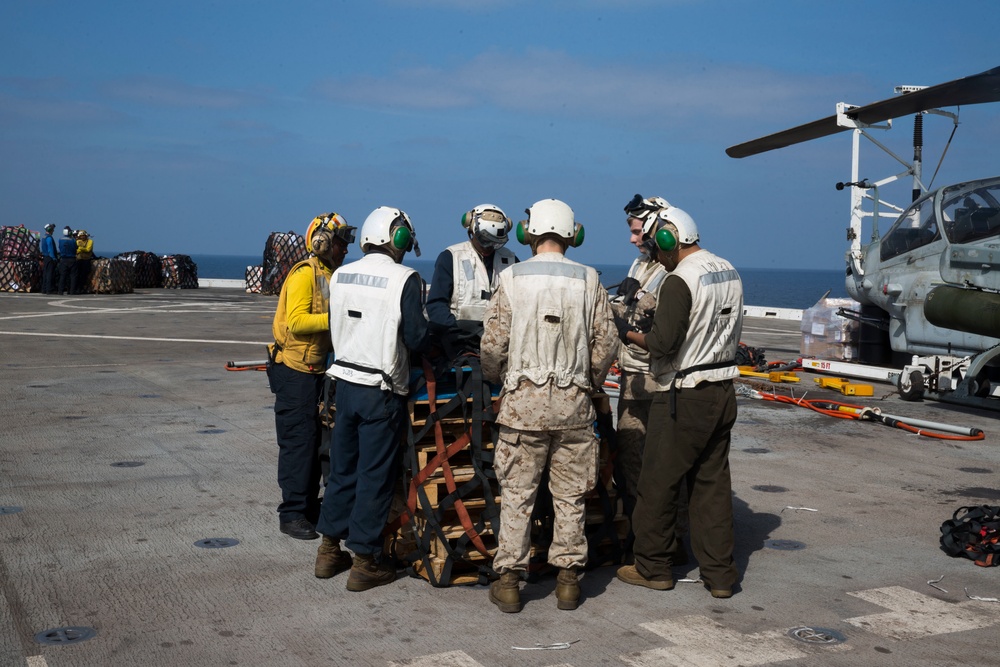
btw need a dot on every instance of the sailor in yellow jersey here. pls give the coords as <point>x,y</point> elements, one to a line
<point>298,360</point>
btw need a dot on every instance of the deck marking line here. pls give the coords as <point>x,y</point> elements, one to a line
<point>449,659</point>
<point>143,338</point>
<point>701,642</point>
<point>36,661</point>
<point>916,615</point>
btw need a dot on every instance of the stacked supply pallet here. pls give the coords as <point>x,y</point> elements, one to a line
<point>282,251</point>
<point>452,514</point>
<point>20,260</point>
<point>179,272</point>
<point>148,268</point>
<point>112,276</point>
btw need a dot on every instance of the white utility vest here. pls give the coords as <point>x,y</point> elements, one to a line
<point>650,275</point>
<point>364,323</point>
<point>470,281</point>
<point>552,313</point>
<point>715,327</point>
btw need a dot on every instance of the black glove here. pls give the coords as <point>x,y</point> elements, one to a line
<point>627,290</point>
<point>623,328</point>
<point>644,323</point>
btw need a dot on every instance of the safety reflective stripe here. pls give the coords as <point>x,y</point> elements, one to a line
<point>365,279</point>
<point>543,268</point>
<point>719,277</point>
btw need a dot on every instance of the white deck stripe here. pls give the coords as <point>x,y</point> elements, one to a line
<point>36,661</point>
<point>450,659</point>
<point>701,642</point>
<point>158,340</point>
<point>915,615</point>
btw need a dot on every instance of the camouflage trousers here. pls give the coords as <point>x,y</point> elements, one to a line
<point>520,458</point>
<point>631,433</point>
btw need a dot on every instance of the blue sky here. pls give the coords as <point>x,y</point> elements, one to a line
<point>199,127</point>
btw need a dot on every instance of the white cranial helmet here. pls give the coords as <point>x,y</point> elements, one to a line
<point>489,225</point>
<point>551,216</point>
<point>391,227</point>
<point>687,231</point>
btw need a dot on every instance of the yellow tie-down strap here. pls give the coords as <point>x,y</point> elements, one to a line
<point>773,376</point>
<point>846,387</point>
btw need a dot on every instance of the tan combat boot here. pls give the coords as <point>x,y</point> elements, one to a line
<point>366,573</point>
<point>504,592</point>
<point>331,559</point>
<point>567,589</point>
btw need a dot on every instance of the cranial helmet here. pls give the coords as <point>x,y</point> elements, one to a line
<point>659,235</point>
<point>550,216</point>
<point>644,209</point>
<point>489,225</point>
<point>331,223</point>
<point>67,231</point>
<point>390,227</point>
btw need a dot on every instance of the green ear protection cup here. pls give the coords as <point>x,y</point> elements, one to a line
<point>521,233</point>
<point>578,234</point>
<point>665,239</point>
<point>467,219</point>
<point>401,238</point>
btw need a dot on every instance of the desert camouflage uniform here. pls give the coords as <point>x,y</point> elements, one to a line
<point>545,426</point>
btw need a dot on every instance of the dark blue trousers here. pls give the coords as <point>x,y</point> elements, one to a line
<point>296,423</point>
<point>49,275</point>
<point>364,464</point>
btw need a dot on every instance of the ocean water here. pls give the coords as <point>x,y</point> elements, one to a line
<point>774,288</point>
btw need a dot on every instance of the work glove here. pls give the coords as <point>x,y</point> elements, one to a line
<point>644,323</point>
<point>627,289</point>
<point>623,328</point>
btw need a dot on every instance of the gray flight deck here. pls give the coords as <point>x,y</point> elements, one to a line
<point>124,441</point>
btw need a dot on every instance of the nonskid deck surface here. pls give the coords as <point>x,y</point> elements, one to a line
<point>125,441</point>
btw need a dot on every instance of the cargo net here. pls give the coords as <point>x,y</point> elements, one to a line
<point>112,276</point>
<point>18,243</point>
<point>20,275</point>
<point>282,251</point>
<point>452,512</point>
<point>447,527</point>
<point>253,278</point>
<point>148,268</point>
<point>179,271</point>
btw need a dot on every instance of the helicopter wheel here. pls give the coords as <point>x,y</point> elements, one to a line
<point>913,388</point>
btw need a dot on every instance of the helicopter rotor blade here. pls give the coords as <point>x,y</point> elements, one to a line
<point>975,89</point>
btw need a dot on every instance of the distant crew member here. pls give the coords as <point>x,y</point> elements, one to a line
<point>549,339</point>
<point>67,261</point>
<point>692,344</point>
<point>465,277</point>
<point>50,260</point>
<point>298,359</point>
<point>376,320</point>
<point>80,282</point>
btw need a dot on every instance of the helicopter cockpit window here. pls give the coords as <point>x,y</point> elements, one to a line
<point>915,228</point>
<point>971,214</point>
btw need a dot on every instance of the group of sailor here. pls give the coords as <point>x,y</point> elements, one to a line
<point>547,332</point>
<point>66,262</point>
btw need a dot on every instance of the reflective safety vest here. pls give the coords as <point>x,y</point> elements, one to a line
<point>306,353</point>
<point>365,321</point>
<point>708,353</point>
<point>85,249</point>
<point>552,310</point>
<point>650,275</point>
<point>471,286</point>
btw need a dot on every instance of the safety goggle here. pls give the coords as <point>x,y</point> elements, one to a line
<point>637,207</point>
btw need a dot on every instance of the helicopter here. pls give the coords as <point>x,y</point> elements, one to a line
<point>929,287</point>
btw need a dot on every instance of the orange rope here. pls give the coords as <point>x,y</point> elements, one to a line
<point>840,410</point>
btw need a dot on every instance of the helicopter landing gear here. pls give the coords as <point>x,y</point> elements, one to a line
<point>910,385</point>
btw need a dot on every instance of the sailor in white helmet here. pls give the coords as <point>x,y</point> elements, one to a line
<point>549,339</point>
<point>466,275</point>
<point>376,319</point>
<point>633,306</point>
<point>692,344</point>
